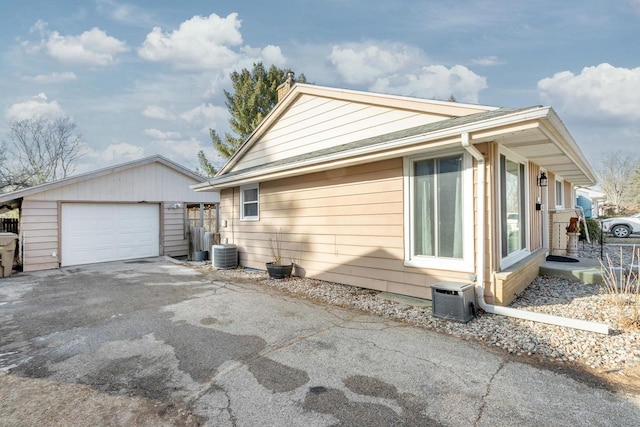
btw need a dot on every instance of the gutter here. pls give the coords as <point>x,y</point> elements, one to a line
<point>508,311</point>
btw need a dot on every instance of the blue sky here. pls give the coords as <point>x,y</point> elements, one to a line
<point>142,77</point>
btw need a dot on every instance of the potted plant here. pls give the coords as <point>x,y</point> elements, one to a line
<point>276,269</point>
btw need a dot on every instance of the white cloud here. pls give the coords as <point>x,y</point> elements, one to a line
<point>435,81</point>
<point>363,63</point>
<point>93,47</point>
<point>38,106</point>
<point>52,78</point>
<point>120,152</point>
<point>158,113</point>
<point>269,55</point>
<point>125,13</point>
<point>487,61</point>
<point>200,43</point>
<point>598,92</point>
<point>183,151</point>
<point>205,113</point>
<point>40,27</point>
<point>158,134</point>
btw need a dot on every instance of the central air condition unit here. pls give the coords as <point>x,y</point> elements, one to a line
<point>453,301</point>
<point>225,256</point>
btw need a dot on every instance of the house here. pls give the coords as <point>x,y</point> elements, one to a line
<point>592,201</point>
<point>132,210</point>
<point>396,193</point>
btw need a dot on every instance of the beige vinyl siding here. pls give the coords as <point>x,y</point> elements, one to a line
<point>551,190</point>
<point>39,234</point>
<point>175,242</point>
<point>569,199</point>
<point>491,245</point>
<point>153,182</point>
<point>343,225</point>
<point>317,123</point>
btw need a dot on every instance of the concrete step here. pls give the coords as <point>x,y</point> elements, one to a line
<point>586,270</point>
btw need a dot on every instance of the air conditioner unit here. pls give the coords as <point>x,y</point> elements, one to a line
<point>225,256</point>
<point>453,301</point>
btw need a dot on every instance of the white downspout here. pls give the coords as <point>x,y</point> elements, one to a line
<point>507,311</point>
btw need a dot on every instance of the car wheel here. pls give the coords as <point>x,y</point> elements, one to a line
<point>620,231</point>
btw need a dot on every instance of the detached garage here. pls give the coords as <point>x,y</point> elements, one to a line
<point>132,210</point>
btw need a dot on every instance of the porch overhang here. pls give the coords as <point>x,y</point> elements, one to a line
<point>545,142</point>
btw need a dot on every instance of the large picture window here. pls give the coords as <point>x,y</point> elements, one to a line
<point>249,202</point>
<point>512,209</point>
<point>439,212</point>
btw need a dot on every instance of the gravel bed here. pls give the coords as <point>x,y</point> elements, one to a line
<point>615,352</point>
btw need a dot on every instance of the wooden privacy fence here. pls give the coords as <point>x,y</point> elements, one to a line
<point>9,225</point>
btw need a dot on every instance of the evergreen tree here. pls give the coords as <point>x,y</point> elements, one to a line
<point>255,93</point>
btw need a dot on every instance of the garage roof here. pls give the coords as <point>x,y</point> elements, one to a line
<point>8,198</point>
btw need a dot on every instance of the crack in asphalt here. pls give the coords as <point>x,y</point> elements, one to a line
<point>229,409</point>
<point>395,350</point>
<point>483,402</point>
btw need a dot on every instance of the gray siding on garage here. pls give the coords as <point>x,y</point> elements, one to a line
<point>39,231</point>
<point>175,239</point>
<point>153,182</point>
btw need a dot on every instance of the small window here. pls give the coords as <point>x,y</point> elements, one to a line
<point>250,202</point>
<point>559,194</point>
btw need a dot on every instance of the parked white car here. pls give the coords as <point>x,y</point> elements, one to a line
<point>623,226</point>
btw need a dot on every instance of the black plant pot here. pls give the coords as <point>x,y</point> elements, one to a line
<point>277,271</point>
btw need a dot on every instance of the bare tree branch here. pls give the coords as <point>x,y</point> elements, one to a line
<point>38,150</point>
<point>616,172</point>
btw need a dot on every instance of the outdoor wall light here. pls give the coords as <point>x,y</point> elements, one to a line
<point>543,181</point>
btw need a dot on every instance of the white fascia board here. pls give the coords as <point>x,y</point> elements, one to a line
<point>570,144</point>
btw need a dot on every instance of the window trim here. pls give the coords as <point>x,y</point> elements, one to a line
<point>559,182</point>
<point>522,253</point>
<point>466,263</point>
<point>243,188</point>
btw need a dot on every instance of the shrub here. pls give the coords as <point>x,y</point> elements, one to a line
<point>621,283</point>
<point>594,230</point>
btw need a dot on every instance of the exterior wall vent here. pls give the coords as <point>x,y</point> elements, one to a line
<point>453,301</point>
<point>224,256</point>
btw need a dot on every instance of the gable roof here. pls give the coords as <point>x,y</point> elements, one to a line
<point>97,173</point>
<point>444,109</point>
<point>536,133</point>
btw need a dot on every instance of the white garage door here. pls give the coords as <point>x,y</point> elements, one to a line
<point>100,232</point>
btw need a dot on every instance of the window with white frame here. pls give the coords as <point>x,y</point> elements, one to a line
<point>559,194</point>
<point>439,212</point>
<point>250,202</point>
<point>512,209</point>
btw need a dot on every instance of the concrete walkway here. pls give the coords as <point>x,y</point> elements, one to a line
<point>237,354</point>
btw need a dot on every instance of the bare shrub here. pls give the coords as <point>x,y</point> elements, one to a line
<point>621,284</point>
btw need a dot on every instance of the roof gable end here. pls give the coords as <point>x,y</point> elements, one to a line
<point>311,118</point>
<point>99,173</point>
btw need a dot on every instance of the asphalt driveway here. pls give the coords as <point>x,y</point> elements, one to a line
<point>167,336</point>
